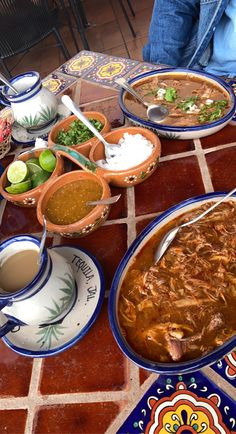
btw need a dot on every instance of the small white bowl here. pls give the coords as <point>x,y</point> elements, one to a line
<point>175,132</point>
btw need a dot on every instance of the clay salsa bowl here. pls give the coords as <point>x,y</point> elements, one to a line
<point>136,174</point>
<point>85,225</point>
<point>64,124</point>
<point>30,198</point>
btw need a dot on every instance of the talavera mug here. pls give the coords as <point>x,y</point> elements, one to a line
<point>33,106</point>
<point>47,298</point>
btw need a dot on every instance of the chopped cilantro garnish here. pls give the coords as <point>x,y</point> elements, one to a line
<point>170,94</point>
<point>77,133</point>
<point>211,112</point>
<point>186,104</point>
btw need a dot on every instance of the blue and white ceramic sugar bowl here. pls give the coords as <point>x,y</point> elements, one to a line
<point>46,297</point>
<point>33,106</point>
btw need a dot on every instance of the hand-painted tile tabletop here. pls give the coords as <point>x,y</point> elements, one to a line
<point>92,387</point>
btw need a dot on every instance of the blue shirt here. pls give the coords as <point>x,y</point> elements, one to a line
<point>223,59</point>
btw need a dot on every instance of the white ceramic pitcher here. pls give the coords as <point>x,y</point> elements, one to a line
<point>33,106</point>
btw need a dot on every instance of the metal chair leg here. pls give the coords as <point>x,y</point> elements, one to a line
<point>67,15</point>
<point>7,71</point>
<point>80,25</point>
<point>131,8</point>
<point>127,18</point>
<point>61,44</point>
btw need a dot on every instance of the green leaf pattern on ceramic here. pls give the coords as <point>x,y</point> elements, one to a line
<point>45,115</point>
<point>54,331</point>
<point>48,334</point>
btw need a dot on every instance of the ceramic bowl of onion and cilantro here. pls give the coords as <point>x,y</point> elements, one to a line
<point>73,133</point>
<point>199,103</point>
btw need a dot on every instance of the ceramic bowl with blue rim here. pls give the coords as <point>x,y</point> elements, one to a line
<point>177,367</point>
<point>192,97</point>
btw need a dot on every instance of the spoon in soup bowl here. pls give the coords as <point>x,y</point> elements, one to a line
<point>171,234</point>
<point>155,112</point>
<point>110,148</point>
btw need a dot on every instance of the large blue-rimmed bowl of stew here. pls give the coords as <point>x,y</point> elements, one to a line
<point>199,103</point>
<point>178,315</point>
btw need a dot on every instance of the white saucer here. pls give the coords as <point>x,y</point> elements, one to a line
<point>21,136</point>
<point>33,341</point>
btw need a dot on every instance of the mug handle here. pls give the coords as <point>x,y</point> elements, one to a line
<point>7,327</point>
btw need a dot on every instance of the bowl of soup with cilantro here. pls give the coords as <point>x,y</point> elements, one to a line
<point>199,103</point>
<point>73,133</point>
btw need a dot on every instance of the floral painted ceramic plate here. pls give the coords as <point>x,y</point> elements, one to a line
<point>33,341</point>
<point>22,136</point>
<point>188,404</point>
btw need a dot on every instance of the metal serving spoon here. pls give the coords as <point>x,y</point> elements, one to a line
<point>110,148</point>
<point>4,80</point>
<point>155,112</point>
<point>108,201</point>
<point>42,242</point>
<point>169,237</point>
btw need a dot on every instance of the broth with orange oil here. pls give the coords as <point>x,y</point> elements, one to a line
<point>69,203</point>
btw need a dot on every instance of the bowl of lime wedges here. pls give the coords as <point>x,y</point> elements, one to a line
<point>24,179</point>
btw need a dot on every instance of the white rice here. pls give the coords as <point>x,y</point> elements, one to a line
<point>133,150</point>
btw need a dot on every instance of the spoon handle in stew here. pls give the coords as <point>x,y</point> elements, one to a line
<point>211,208</point>
<point>125,85</point>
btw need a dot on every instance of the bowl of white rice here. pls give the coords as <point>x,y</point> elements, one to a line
<point>135,159</point>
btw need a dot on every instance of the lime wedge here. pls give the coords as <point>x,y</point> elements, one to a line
<point>33,167</point>
<point>17,172</point>
<point>21,187</point>
<point>39,178</point>
<point>33,160</point>
<point>47,160</point>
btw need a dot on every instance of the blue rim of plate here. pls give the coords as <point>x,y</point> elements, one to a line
<point>169,128</point>
<point>161,368</point>
<point>83,332</point>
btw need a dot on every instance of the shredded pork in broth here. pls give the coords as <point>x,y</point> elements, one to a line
<point>184,306</point>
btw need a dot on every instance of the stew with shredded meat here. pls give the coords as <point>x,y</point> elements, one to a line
<point>191,100</point>
<point>184,306</point>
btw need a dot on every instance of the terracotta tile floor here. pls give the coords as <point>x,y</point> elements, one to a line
<point>108,33</point>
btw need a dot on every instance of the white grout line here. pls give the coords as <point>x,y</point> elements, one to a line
<point>122,416</point>
<point>206,178</point>
<point>33,392</point>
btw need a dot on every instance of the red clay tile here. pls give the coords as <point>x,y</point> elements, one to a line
<point>119,209</point>
<point>169,147</point>
<point>15,373</point>
<point>172,182</point>
<point>12,421</point>
<point>226,135</point>
<point>75,419</point>
<point>143,375</point>
<point>94,364</point>
<point>15,221</point>
<point>142,224</point>
<point>222,166</point>
<point>7,160</point>
<point>108,244</point>
<point>110,109</point>
<point>90,92</point>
